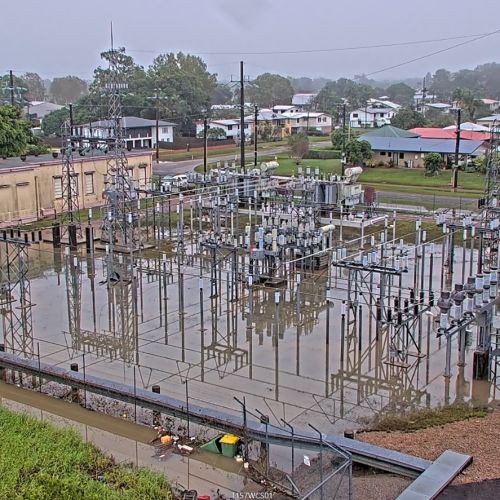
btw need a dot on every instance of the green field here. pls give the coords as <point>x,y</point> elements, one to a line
<point>39,461</point>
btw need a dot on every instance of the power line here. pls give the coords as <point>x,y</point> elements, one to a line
<point>404,63</point>
<point>333,49</point>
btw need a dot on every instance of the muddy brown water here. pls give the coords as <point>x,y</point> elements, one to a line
<point>282,359</point>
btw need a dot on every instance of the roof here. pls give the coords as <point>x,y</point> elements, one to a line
<point>418,145</point>
<point>469,126</point>
<point>36,161</point>
<point>225,122</point>
<point>386,103</point>
<point>302,99</point>
<point>265,115</point>
<point>312,114</point>
<point>490,101</point>
<point>283,106</point>
<point>41,108</point>
<point>433,133</point>
<point>490,118</point>
<point>129,122</point>
<point>372,110</point>
<point>390,131</point>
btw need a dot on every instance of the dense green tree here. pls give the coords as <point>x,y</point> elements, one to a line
<point>467,101</point>
<point>435,118</point>
<point>221,94</point>
<point>268,89</point>
<point>327,100</point>
<point>213,133</point>
<point>401,93</point>
<point>433,163</point>
<point>357,152</point>
<point>14,131</point>
<point>407,118</point>
<point>338,137</point>
<point>67,89</point>
<point>186,86</point>
<point>35,87</point>
<point>299,145</point>
<point>442,85</point>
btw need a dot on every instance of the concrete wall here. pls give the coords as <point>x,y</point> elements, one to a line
<point>31,190</point>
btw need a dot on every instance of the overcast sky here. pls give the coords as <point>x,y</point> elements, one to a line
<point>60,37</point>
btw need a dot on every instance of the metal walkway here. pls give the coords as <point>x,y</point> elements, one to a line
<point>437,477</point>
<point>362,453</point>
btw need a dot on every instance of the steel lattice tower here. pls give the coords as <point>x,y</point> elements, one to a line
<point>70,206</point>
<point>15,298</point>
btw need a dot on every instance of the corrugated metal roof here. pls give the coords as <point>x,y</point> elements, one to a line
<point>390,131</point>
<point>417,145</point>
<point>129,122</point>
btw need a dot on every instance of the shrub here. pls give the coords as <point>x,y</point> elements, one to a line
<point>328,154</point>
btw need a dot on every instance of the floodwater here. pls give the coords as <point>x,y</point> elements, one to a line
<point>129,443</point>
<point>287,359</point>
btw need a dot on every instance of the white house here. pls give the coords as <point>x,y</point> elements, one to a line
<point>492,104</point>
<point>137,132</point>
<point>312,121</point>
<point>371,117</point>
<point>383,103</point>
<point>287,108</point>
<point>230,126</point>
<point>442,107</point>
<point>490,122</point>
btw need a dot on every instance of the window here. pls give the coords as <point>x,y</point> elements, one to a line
<point>389,155</point>
<point>89,183</point>
<point>164,130</point>
<point>142,175</point>
<point>401,156</point>
<point>58,188</point>
<point>381,115</point>
<point>230,127</point>
<point>382,153</point>
<point>355,115</point>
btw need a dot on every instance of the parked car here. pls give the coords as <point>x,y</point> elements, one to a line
<point>180,180</point>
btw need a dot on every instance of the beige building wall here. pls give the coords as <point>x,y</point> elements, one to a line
<point>35,190</point>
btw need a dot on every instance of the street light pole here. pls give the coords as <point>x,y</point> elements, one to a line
<point>457,149</point>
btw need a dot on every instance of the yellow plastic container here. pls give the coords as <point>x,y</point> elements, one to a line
<point>229,445</point>
<point>165,439</point>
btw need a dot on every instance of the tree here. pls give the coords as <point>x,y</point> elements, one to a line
<point>14,131</point>
<point>357,152</point>
<point>268,89</point>
<point>442,84</point>
<point>221,94</point>
<point>67,89</point>
<point>433,163</point>
<point>401,93</point>
<point>466,99</point>
<point>407,118</point>
<point>438,119</point>
<point>299,145</point>
<point>35,86</point>
<point>186,84</point>
<point>327,99</point>
<point>338,137</point>
<point>213,133</point>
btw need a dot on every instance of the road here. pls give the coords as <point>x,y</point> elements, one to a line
<point>186,166</point>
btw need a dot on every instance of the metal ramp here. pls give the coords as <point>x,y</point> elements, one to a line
<point>436,477</point>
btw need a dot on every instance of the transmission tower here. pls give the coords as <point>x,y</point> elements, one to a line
<point>70,222</point>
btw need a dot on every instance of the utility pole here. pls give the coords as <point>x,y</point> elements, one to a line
<point>205,131</point>
<point>11,79</point>
<point>343,161</point>
<point>157,128</point>
<point>424,96</point>
<point>457,150</point>
<point>242,118</point>
<point>256,117</point>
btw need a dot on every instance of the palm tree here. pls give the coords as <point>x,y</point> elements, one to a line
<point>466,99</point>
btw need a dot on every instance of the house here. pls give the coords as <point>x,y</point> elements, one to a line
<point>371,116</point>
<point>421,97</point>
<point>230,126</point>
<point>303,100</point>
<point>270,124</point>
<point>490,122</point>
<point>38,110</point>
<point>286,108</point>
<point>411,151</point>
<point>138,133</point>
<point>492,104</point>
<point>309,121</point>
<point>383,102</point>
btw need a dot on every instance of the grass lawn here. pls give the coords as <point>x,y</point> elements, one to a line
<point>39,461</point>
